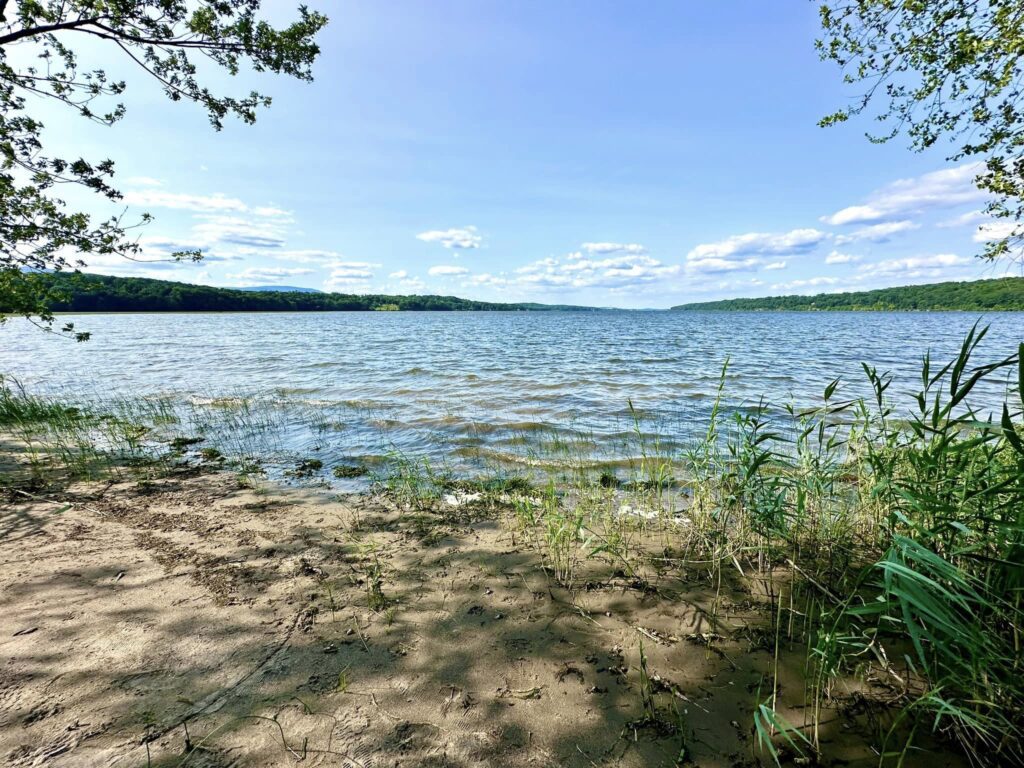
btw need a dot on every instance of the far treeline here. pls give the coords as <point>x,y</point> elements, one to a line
<point>73,292</point>
<point>1002,294</point>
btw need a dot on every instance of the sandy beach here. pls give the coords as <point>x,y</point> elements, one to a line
<point>197,621</point>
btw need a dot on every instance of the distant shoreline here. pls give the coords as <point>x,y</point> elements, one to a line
<point>71,292</point>
<point>618,310</point>
<point>1003,294</point>
<point>63,312</point>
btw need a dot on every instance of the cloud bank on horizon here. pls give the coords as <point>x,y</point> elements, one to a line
<point>234,235</point>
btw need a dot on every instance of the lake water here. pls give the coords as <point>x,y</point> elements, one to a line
<point>475,387</point>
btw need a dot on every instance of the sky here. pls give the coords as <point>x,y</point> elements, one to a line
<point>601,153</point>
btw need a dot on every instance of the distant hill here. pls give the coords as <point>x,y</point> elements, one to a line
<point>75,292</point>
<point>1001,294</point>
<point>279,289</point>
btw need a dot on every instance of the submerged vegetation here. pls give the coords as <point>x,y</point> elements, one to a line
<point>1001,294</point>
<point>881,542</point>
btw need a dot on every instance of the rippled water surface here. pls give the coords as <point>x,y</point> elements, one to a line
<point>474,386</point>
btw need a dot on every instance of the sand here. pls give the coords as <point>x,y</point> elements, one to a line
<point>196,621</point>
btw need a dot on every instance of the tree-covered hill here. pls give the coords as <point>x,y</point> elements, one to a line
<point>70,292</point>
<point>1002,294</point>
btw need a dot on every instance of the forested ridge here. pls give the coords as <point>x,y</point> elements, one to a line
<point>1001,294</point>
<point>72,292</point>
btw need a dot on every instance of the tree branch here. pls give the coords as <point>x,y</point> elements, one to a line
<point>46,29</point>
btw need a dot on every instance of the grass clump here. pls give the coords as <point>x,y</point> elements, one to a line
<point>348,471</point>
<point>306,468</point>
<point>60,440</point>
<point>19,408</point>
<point>412,482</point>
<point>949,584</point>
<point>890,546</point>
<point>181,443</point>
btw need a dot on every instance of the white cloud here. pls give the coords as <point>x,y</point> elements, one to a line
<point>115,264</point>
<point>412,284</point>
<point>446,270</point>
<point>400,274</point>
<point>485,278</point>
<point>156,247</point>
<point>243,231</point>
<point>232,223</point>
<point>808,283</point>
<point>143,181</point>
<point>996,230</point>
<point>714,266</point>
<point>938,189</point>
<point>550,261</point>
<point>209,204</point>
<point>603,249</point>
<point>731,286</point>
<point>965,219</point>
<point>740,252</point>
<point>354,265</point>
<point>351,272</point>
<point>577,270</point>
<point>268,274</point>
<point>841,258</point>
<point>342,284</point>
<point>270,211</point>
<point>350,276</point>
<point>937,265</point>
<point>305,256</point>
<point>459,239</point>
<point>759,243</point>
<point>152,198</point>
<point>855,214</point>
<point>877,233</point>
<point>774,265</point>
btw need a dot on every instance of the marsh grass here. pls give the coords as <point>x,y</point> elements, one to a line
<point>136,439</point>
<point>413,482</point>
<point>78,442</point>
<point>886,545</point>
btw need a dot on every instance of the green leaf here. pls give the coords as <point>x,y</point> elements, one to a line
<point>1010,432</point>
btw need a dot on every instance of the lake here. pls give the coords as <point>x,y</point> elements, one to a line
<point>481,387</point>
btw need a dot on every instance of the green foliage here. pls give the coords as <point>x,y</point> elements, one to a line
<point>768,723</point>
<point>165,38</point>
<point>376,601</point>
<point>942,69</point>
<point>949,585</point>
<point>101,293</point>
<point>563,534</point>
<point>413,482</point>
<point>18,407</point>
<point>1002,294</point>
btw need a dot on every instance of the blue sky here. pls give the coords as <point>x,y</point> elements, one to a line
<point>603,153</point>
